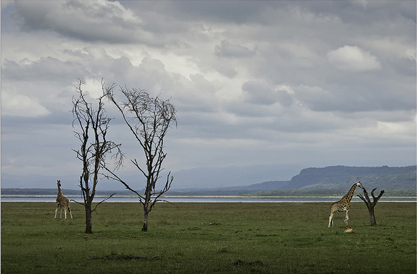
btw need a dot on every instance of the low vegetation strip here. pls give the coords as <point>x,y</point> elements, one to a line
<point>27,192</point>
<point>209,238</point>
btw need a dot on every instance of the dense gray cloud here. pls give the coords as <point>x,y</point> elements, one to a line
<point>84,20</point>
<point>226,49</point>
<point>309,83</point>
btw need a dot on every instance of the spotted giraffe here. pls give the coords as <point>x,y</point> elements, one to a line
<point>62,202</point>
<point>343,204</point>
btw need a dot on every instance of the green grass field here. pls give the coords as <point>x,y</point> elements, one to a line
<point>209,238</point>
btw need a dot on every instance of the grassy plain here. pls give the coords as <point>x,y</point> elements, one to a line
<point>209,238</point>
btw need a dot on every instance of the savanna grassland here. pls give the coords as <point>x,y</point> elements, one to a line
<point>209,238</point>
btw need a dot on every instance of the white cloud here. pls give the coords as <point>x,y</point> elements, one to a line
<point>21,105</point>
<point>399,129</point>
<point>92,87</point>
<point>353,58</point>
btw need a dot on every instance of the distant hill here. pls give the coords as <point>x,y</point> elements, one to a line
<point>332,179</point>
<point>337,177</point>
<point>342,177</point>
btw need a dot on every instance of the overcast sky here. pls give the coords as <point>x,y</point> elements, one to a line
<point>306,83</point>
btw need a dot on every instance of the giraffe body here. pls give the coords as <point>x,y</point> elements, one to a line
<point>62,203</point>
<point>343,204</point>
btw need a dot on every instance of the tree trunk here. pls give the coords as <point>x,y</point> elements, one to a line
<point>145,221</point>
<point>88,224</point>
<point>370,205</point>
<point>372,216</point>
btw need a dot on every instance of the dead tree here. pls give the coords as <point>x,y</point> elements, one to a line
<point>93,125</point>
<point>149,120</point>
<point>370,204</point>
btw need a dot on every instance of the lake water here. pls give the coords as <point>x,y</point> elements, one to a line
<point>202,199</point>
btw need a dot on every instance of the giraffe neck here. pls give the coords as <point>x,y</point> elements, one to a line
<point>59,192</point>
<point>61,199</point>
<point>349,195</point>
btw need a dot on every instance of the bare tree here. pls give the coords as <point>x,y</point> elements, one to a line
<point>149,120</point>
<point>370,204</point>
<point>93,126</point>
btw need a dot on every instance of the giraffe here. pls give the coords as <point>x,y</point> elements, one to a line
<point>62,202</point>
<point>343,204</point>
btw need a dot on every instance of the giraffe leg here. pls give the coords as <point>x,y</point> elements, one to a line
<point>347,216</point>
<point>60,213</point>
<point>331,219</point>
<point>65,213</point>
<point>56,211</point>
<point>69,209</point>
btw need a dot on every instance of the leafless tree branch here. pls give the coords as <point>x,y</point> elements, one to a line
<point>149,120</point>
<point>102,202</point>
<point>92,127</point>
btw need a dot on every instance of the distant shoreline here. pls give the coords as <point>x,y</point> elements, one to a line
<point>203,198</point>
<point>7,192</point>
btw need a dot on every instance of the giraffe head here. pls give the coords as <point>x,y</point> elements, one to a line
<point>359,184</point>
<point>58,183</point>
